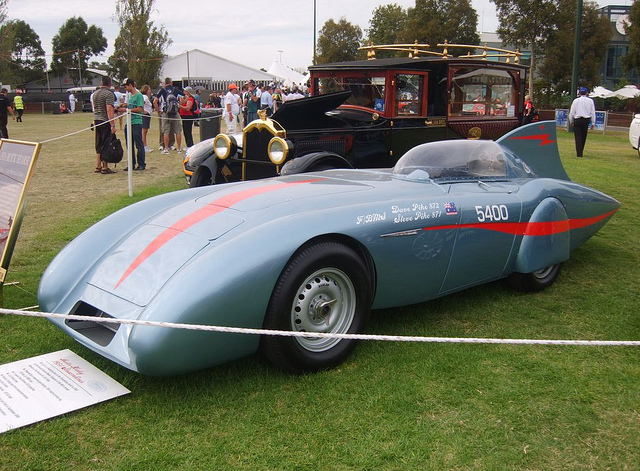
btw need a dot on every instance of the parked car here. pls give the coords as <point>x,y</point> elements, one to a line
<point>316,252</point>
<point>634,133</point>
<point>368,113</point>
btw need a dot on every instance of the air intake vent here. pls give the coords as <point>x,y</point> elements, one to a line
<point>98,332</point>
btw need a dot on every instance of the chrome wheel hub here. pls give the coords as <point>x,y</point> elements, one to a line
<point>325,302</point>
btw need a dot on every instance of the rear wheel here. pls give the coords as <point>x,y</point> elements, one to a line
<point>536,281</point>
<point>324,288</point>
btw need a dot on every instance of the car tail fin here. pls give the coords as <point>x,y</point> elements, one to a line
<point>537,145</point>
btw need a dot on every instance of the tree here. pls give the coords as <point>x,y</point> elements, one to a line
<point>3,10</point>
<point>386,25</point>
<point>140,46</point>
<point>434,21</point>
<point>555,67</point>
<point>74,45</point>
<point>526,23</point>
<point>632,59</point>
<point>338,42</point>
<point>20,44</point>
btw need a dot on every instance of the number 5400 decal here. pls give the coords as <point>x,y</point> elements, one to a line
<point>494,212</point>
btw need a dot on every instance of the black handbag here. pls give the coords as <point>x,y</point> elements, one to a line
<point>112,150</point>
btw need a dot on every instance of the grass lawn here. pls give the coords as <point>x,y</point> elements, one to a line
<point>391,406</point>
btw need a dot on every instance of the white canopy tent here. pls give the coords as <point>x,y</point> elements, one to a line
<point>626,92</point>
<point>287,75</point>
<point>601,92</point>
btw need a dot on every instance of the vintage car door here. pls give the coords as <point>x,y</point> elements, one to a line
<point>412,106</point>
<point>489,212</point>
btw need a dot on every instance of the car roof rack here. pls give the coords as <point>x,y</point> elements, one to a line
<point>415,50</point>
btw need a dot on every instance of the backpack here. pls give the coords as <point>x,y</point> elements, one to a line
<point>112,151</point>
<point>171,106</point>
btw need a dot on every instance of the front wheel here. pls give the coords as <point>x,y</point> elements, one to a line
<point>536,281</point>
<point>201,177</point>
<point>324,288</point>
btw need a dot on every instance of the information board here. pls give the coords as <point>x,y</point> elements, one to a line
<point>17,160</point>
<point>562,120</point>
<point>50,385</point>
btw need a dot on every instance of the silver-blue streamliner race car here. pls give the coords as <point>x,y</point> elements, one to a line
<point>316,252</point>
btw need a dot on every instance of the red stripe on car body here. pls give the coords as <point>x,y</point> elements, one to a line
<point>543,138</point>
<point>534,229</point>
<point>211,209</point>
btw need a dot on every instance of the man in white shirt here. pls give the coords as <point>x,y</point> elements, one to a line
<point>582,113</point>
<point>266,100</point>
<point>72,102</point>
<point>231,108</point>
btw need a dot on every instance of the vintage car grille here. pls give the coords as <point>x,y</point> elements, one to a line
<point>255,144</point>
<point>99,332</point>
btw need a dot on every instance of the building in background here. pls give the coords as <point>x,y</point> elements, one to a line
<point>612,71</point>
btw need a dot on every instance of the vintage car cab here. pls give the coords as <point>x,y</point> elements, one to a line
<point>368,113</point>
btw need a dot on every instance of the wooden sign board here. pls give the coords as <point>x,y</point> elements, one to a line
<point>17,161</point>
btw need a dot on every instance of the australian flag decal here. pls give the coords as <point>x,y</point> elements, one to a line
<point>450,209</point>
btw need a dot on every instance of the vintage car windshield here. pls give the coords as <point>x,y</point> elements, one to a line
<point>460,160</point>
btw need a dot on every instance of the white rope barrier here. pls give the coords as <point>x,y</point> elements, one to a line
<point>287,333</point>
<point>90,128</point>
<point>117,117</point>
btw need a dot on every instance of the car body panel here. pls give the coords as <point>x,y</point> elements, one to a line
<point>213,255</point>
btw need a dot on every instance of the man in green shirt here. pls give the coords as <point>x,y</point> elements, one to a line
<point>135,103</point>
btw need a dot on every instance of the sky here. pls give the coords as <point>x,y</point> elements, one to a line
<point>253,33</point>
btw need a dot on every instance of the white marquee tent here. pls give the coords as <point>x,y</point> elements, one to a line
<point>286,75</point>
<point>199,68</point>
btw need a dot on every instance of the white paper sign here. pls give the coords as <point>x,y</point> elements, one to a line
<point>50,385</point>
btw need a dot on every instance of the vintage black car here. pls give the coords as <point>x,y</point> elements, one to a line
<point>368,113</point>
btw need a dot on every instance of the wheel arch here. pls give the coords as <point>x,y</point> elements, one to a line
<point>547,240</point>
<point>350,242</point>
<point>306,162</point>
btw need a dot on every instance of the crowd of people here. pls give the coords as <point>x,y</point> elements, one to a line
<point>178,110</point>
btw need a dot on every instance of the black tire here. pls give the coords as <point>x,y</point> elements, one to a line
<point>325,287</point>
<point>201,177</point>
<point>536,281</point>
<point>638,148</point>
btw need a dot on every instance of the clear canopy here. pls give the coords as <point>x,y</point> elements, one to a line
<point>460,160</point>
